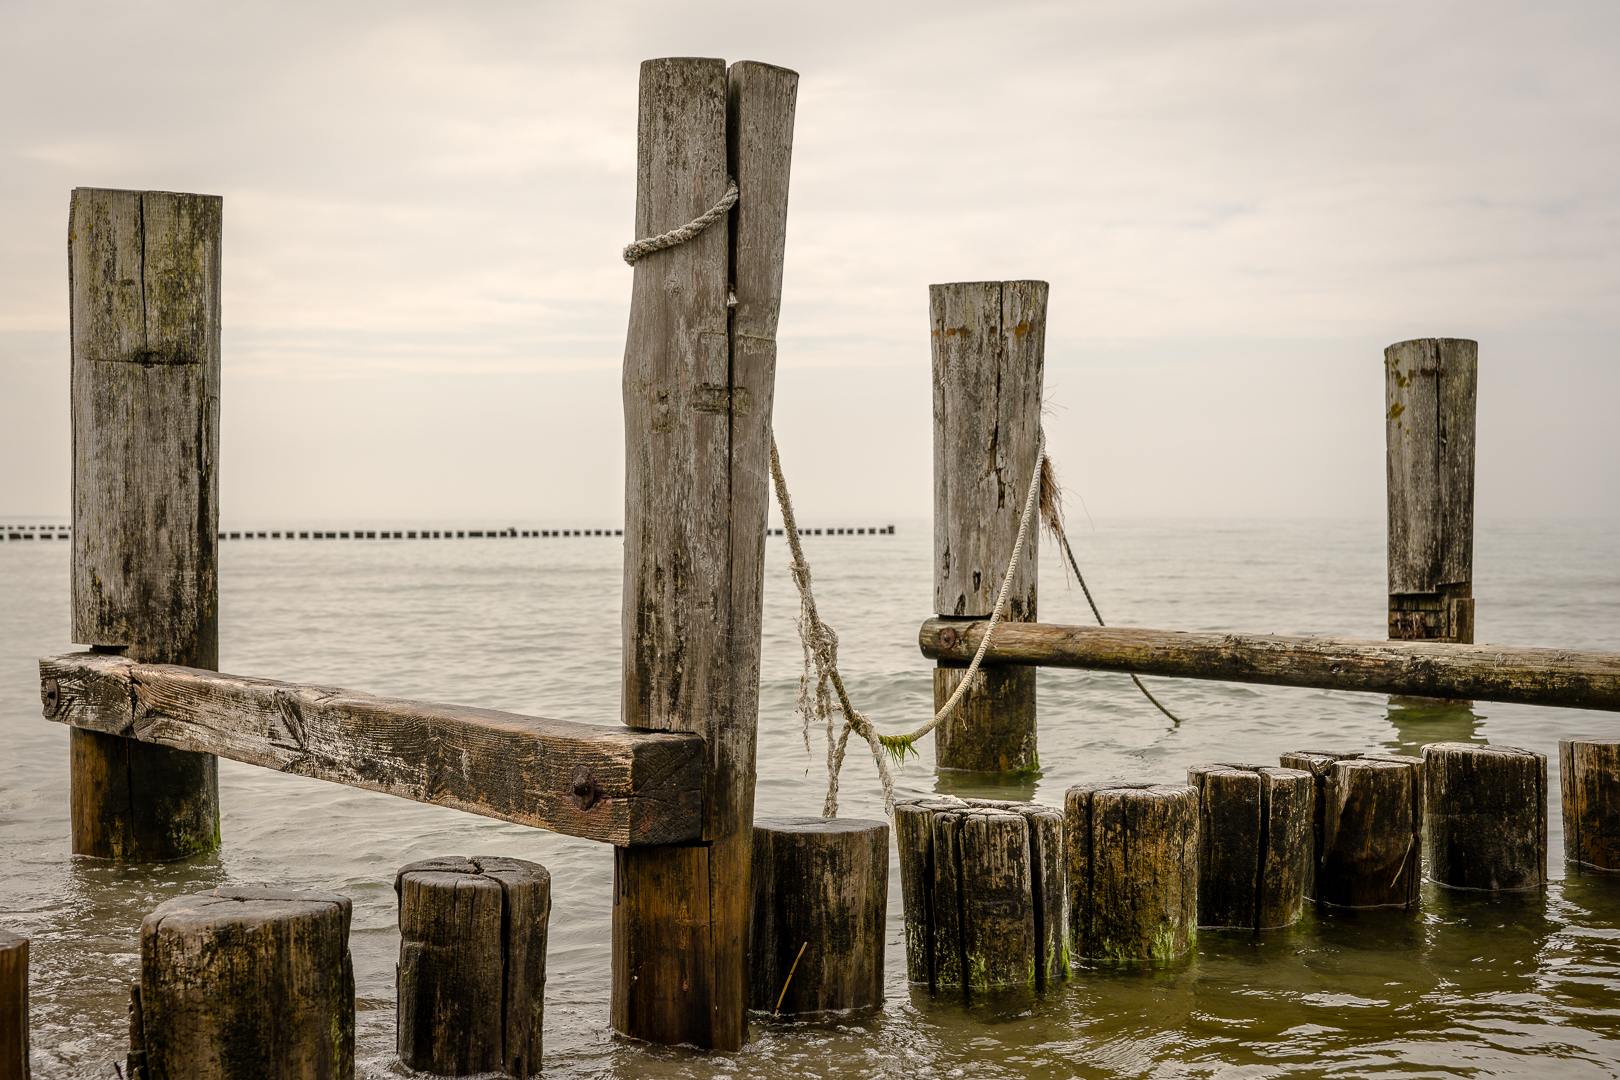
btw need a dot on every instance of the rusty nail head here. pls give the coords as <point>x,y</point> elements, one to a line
<point>51,694</point>
<point>585,792</point>
<point>947,637</point>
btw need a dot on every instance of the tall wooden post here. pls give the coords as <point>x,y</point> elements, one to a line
<point>988,343</point>
<point>144,273</point>
<point>699,376</point>
<point>1429,390</point>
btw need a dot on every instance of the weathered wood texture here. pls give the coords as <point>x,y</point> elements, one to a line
<point>13,1006</point>
<point>699,378</point>
<point>1255,845</point>
<point>144,288</point>
<point>1589,776</point>
<point>1132,870</point>
<point>247,984</point>
<point>1485,816</point>
<point>983,886</point>
<point>602,783</point>
<point>1368,821</point>
<point>1577,679</point>
<point>988,344</point>
<point>820,886</point>
<point>994,727</point>
<point>472,965</point>
<point>1429,393</point>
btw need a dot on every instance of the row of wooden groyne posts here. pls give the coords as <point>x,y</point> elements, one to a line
<point>64,532</point>
<point>717,914</point>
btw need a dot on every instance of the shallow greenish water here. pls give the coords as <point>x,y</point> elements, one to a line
<point>1465,986</point>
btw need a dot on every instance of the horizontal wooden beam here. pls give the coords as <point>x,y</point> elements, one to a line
<point>1576,679</point>
<point>614,784</point>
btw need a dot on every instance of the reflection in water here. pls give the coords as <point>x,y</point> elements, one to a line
<point>1013,787</point>
<point>1420,721</point>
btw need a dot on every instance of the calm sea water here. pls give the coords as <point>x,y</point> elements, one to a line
<point>1466,986</point>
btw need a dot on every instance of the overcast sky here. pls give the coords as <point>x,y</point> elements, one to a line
<point>1238,205</point>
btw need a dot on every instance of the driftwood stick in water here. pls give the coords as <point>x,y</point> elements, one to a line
<point>603,783</point>
<point>1579,679</point>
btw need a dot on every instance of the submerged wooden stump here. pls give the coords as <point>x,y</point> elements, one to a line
<point>472,965</point>
<point>821,895</point>
<point>982,885</point>
<point>245,984</point>
<point>13,1006</point>
<point>1254,845</point>
<point>1132,870</point>
<point>1589,775</point>
<point>1368,820</point>
<point>1485,816</point>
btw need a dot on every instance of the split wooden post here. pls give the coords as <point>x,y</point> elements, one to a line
<point>1254,845</point>
<point>13,1006</point>
<point>821,895</point>
<point>983,887</point>
<point>1589,776</point>
<point>1429,392</point>
<point>988,342</point>
<point>144,280</point>
<point>1368,822</point>
<point>1133,870</point>
<point>1485,816</point>
<point>699,377</point>
<point>472,965</point>
<point>245,984</point>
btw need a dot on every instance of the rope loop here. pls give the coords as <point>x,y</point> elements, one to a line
<point>642,248</point>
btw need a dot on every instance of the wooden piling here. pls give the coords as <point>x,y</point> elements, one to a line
<point>821,895</point>
<point>1589,776</point>
<point>245,984</point>
<point>1254,845</point>
<point>1429,392</point>
<point>988,344</point>
<point>13,1006</point>
<point>472,965</point>
<point>699,377</point>
<point>1132,870</point>
<point>1485,816</point>
<point>144,281</point>
<point>983,886</point>
<point>1367,820</point>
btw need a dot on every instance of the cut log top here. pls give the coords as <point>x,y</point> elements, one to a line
<point>612,784</point>
<point>1572,678</point>
<point>242,904</point>
<point>818,825</point>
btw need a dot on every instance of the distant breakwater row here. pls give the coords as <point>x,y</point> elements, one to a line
<point>62,532</point>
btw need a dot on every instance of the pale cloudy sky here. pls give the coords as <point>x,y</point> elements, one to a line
<point>1238,205</point>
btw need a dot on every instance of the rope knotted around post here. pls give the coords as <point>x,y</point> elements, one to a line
<point>642,248</point>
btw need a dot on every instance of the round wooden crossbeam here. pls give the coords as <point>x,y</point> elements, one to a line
<point>245,984</point>
<point>1132,851</point>
<point>472,964</point>
<point>1485,816</point>
<point>821,894</point>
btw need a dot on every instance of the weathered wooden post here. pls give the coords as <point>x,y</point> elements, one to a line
<point>1589,779</point>
<point>699,376</point>
<point>1368,822</point>
<point>472,965</point>
<point>988,340</point>
<point>1485,816</point>
<point>1429,391</point>
<point>144,278</point>
<point>984,892</point>
<point>1133,870</point>
<point>821,894</point>
<point>245,984</point>
<point>1254,845</point>
<point>13,1006</point>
